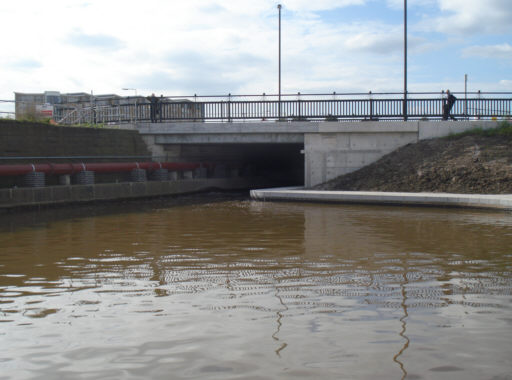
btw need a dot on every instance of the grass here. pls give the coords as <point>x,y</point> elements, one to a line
<point>49,121</point>
<point>504,128</point>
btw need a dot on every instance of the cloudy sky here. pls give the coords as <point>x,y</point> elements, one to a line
<point>208,47</point>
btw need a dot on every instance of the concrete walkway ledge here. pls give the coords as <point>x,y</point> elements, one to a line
<point>498,201</point>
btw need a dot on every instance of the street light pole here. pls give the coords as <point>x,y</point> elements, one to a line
<point>405,61</point>
<point>279,90</point>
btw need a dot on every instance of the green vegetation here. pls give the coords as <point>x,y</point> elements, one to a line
<point>504,128</point>
<point>89,125</point>
<point>50,121</point>
<point>30,119</point>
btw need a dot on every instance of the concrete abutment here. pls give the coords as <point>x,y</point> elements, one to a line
<point>330,149</point>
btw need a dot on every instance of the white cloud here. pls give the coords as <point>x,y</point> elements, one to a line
<point>399,4</point>
<point>503,51</point>
<point>474,16</point>
<point>215,46</point>
<point>319,5</point>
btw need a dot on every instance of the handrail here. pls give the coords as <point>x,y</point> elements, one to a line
<point>291,107</point>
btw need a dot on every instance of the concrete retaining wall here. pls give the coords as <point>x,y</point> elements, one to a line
<point>52,195</point>
<point>42,140</point>
<point>340,148</point>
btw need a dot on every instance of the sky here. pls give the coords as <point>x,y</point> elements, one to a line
<point>216,47</point>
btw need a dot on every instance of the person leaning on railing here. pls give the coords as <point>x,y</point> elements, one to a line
<point>447,107</point>
<point>153,104</point>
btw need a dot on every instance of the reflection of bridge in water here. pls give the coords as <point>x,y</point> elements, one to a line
<point>291,107</point>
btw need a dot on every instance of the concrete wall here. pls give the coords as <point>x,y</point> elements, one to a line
<point>53,195</point>
<point>159,135</point>
<point>340,148</point>
<point>331,148</point>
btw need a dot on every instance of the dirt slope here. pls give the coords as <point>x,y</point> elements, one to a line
<point>465,164</point>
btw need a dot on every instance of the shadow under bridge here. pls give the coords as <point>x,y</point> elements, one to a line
<point>273,152</point>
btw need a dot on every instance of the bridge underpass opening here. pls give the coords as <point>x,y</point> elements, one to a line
<point>280,164</point>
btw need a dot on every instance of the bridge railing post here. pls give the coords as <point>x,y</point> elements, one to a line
<point>479,104</point>
<point>405,110</point>
<point>229,108</point>
<point>371,104</point>
<point>298,106</point>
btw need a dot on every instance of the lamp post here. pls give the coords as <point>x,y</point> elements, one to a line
<point>279,87</point>
<point>405,61</point>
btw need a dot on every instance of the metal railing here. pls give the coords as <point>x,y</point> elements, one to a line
<point>291,107</point>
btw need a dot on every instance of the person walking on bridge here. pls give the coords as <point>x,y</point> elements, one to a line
<point>447,107</point>
<point>153,104</point>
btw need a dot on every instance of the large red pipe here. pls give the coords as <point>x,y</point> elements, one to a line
<point>103,167</point>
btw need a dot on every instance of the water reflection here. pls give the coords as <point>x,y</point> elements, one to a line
<point>403,320</point>
<point>248,289</point>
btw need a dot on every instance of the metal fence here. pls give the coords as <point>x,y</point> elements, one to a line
<point>292,107</point>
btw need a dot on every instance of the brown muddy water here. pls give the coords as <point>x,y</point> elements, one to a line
<point>223,288</point>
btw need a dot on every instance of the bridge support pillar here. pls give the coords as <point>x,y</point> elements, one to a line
<point>201,173</point>
<point>34,179</point>
<point>65,180</point>
<point>159,175</point>
<point>138,175</point>
<point>220,171</point>
<point>84,178</point>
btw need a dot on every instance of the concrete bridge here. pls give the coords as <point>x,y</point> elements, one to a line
<point>301,153</point>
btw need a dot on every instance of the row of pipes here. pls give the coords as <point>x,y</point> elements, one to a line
<point>105,167</point>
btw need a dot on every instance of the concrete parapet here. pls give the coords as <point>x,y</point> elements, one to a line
<point>80,193</point>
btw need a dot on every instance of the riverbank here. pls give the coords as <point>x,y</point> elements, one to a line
<point>16,198</point>
<point>474,162</point>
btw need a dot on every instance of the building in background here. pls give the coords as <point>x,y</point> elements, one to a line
<point>82,108</point>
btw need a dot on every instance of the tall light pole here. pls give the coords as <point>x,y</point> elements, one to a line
<point>279,87</point>
<point>405,60</point>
